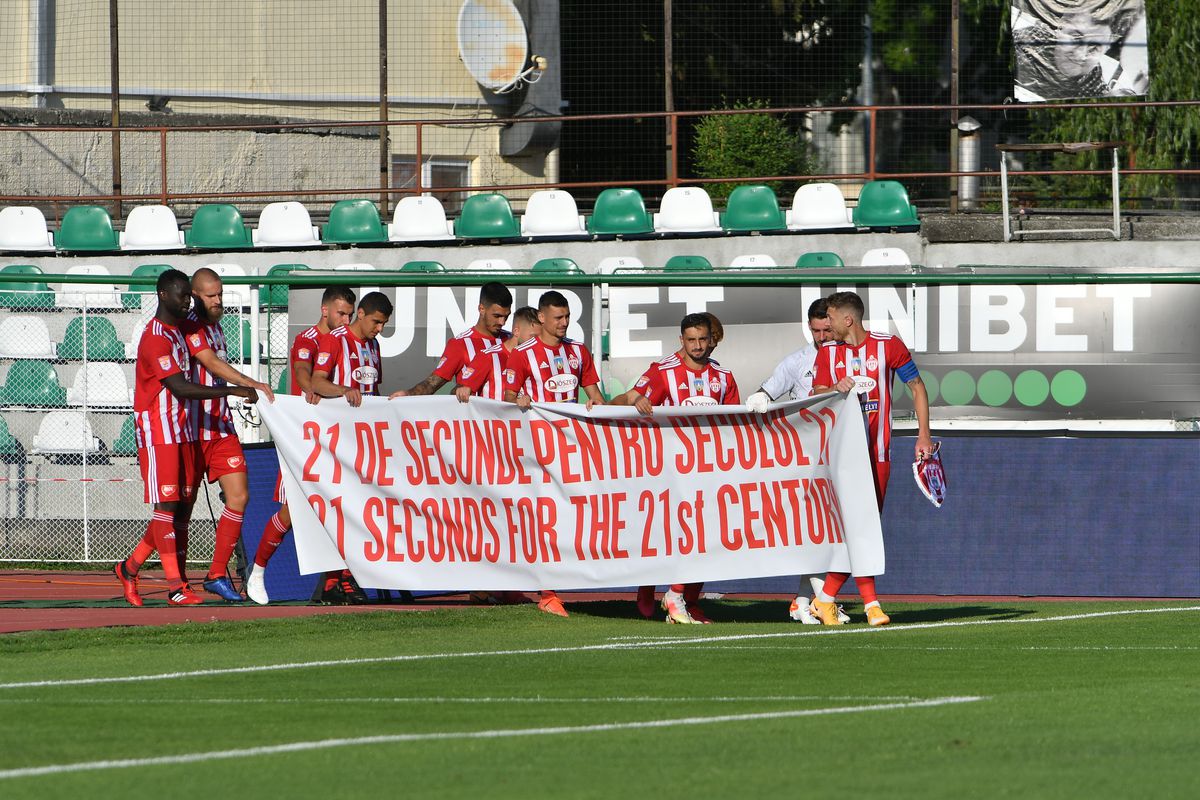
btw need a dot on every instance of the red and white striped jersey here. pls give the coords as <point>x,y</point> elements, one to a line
<point>461,351</point>
<point>485,374</point>
<point>670,382</point>
<point>350,361</point>
<point>550,374</point>
<point>159,416</point>
<point>304,350</point>
<point>873,365</point>
<point>210,418</point>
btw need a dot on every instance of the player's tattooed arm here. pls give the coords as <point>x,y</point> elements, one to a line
<point>921,407</point>
<point>427,386</point>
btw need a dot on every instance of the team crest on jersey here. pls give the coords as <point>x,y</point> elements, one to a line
<point>561,383</point>
<point>560,364</point>
<point>466,372</point>
<point>164,362</point>
<point>510,376</point>
<point>699,400</point>
<point>642,381</point>
<point>573,361</point>
<point>234,461</point>
<point>714,385</point>
<point>698,383</point>
<point>322,359</point>
<point>195,339</point>
<point>365,375</point>
<point>872,363</point>
<point>304,353</point>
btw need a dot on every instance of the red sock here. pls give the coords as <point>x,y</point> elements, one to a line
<point>181,545</point>
<point>677,587</point>
<point>143,551</point>
<point>691,592</point>
<point>229,530</point>
<point>866,588</point>
<point>272,537</point>
<point>834,582</point>
<point>163,532</point>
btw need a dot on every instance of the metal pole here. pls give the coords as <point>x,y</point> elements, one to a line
<point>384,149</point>
<point>868,94</point>
<point>669,87</point>
<point>954,56</point>
<point>114,56</point>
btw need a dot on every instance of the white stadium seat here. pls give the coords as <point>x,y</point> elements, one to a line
<point>489,264</point>
<point>65,432</point>
<point>359,291</point>
<point>132,345</point>
<point>151,228</point>
<point>608,266</point>
<point>686,209</point>
<point>100,383</point>
<point>552,213</point>
<point>24,336</point>
<point>885,257</point>
<point>819,207</point>
<point>420,219</point>
<point>24,228</point>
<point>759,261</point>
<point>88,295</point>
<point>286,225</point>
<point>234,296</point>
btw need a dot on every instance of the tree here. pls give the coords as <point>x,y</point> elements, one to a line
<point>745,146</point>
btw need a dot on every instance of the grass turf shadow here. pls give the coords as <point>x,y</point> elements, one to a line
<point>776,611</point>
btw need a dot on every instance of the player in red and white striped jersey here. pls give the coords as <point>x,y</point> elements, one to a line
<point>687,377</point>
<point>495,305</point>
<point>866,362</point>
<point>166,436</point>
<point>337,304</point>
<point>484,376</point>
<point>550,368</point>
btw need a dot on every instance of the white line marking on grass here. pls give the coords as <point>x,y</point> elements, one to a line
<point>699,640</point>
<point>449,700</point>
<point>399,738</point>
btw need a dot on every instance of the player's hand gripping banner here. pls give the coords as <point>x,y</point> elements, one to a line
<point>426,493</point>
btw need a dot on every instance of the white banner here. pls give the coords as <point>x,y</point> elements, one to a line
<point>426,493</point>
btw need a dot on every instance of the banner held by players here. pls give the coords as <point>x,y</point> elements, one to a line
<point>427,493</point>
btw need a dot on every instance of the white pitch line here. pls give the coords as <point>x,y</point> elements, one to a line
<point>700,640</point>
<point>399,738</point>
<point>235,701</point>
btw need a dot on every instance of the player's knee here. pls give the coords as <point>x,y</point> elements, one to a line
<point>236,498</point>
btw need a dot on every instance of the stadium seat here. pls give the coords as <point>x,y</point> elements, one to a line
<point>608,266</point>
<point>65,432</point>
<point>277,296</point>
<point>552,214</point>
<point>9,446</point>
<point>487,216</point>
<point>218,226</point>
<point>102,342</point>
<point>132,345</point>
<point>24,229</point>
<point>420,219</point>
<point>557,266</point>
<point>423,266</point>
<point>686,209</point>
<point>126,442</point>
<point>151,228</point>
<point>820,261</point>
<point>88,295</point>
<point>281,387</point>
<point>884,204</point>
<point>620,212</point>
<point>100,383</point>
<point>693,263</point>
<point>234,296</point>
<point>489,265</point>
<point>33,293</point>
<point>286,225</point>
<point>86,229</point>
<point>819,207</point>
<point>33,383</point>
<point>753,262</point>
<point>885,257</point>
<point>24,336</point>
<point>237,338</point>
<point>353,222</point>
<point>132,299</point>
<point>753,208</point>
<point>359,291</point>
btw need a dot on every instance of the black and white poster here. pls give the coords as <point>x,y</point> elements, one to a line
<point>1078,49</point>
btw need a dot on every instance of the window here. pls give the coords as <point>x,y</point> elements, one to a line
<point>439,177</point>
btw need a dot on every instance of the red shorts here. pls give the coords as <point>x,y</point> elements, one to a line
<point>883,470</point>
<point>280,497</point>
<point>170,472</point>
<point>222,457</point>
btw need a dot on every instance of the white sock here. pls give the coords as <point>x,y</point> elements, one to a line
<point>817,582</point>
<point>873,603</point>
<point>824,598</point>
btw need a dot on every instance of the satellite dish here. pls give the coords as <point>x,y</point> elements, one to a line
<point>494,45</point>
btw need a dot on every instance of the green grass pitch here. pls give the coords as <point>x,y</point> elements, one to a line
<point>1041,700</point>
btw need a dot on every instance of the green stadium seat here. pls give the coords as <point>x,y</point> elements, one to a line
<point>353,222</point>
<point>218,226</point>
<point>557,266</point>
<point>884,204</point>
<point>281,386</point>
<point>620,212</point>
<point>487,216</point>
<point>32,293</point>
<point>753,208</point>
<point>423,266</point>
<point>237,338</point>
<point>103,344</point>
<point>86,229</point>
<point>820,261</point>
<point>133,299</point>
<point>693,263</point>
<point>126,442</point>
<point>9,446</point>
<point>277,296</point>
<point>33,383</point>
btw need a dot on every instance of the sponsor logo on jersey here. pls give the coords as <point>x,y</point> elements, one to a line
<point>870,405</point>
<point>365,374</point>
<point>573,361</point>
<point>543,365</point>
<point>872,363</point>
<point>168,489</point>
<point>698,400</point>
<point>864,384</point>
<point>164,362</point>
<point>304,354</point>
<point>440,363</point>
<point>561,383</point>
<point>194,339</point>
<point>466,372</point>
<point>322,359</point>
<point>840,365</point>
<point>510,376</point>
<point>234,461</point>
<point>642,381</point>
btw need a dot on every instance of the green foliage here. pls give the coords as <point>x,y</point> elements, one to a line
<point>747,145</point>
